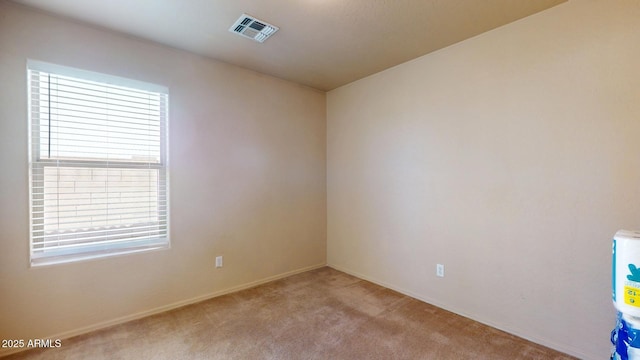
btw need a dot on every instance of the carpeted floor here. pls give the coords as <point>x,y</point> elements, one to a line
<point>320,314</point>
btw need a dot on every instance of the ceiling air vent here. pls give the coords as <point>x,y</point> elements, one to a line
<point>252,28</point>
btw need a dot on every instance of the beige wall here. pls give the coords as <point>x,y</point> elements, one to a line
<point>247,168</point>
<point>511,158</point>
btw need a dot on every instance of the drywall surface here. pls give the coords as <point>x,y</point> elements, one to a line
<point>511,158</point>
<point>247,170</point>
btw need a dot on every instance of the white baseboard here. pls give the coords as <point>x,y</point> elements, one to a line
<point>161,309</point>
<point>517,332</point>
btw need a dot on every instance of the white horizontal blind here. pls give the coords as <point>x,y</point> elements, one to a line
<point>98,167</point>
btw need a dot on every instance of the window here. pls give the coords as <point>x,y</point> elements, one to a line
<point>98,165</point>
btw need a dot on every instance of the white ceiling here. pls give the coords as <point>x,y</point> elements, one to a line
<point>321,43</point>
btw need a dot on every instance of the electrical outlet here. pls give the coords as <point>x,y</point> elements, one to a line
<point>440,270</point>
<point>218,261</point>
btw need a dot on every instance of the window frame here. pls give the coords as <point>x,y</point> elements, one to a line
<point>120,246</point>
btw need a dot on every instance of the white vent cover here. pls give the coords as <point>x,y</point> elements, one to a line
<point>252,28</point>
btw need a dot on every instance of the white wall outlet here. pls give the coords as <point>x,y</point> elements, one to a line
<point>218,261</point>
<point>439,270</point>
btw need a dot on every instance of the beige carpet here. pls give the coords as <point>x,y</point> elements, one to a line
<point>320,314</point>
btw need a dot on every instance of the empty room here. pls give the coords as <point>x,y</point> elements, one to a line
<point>316,179</point>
